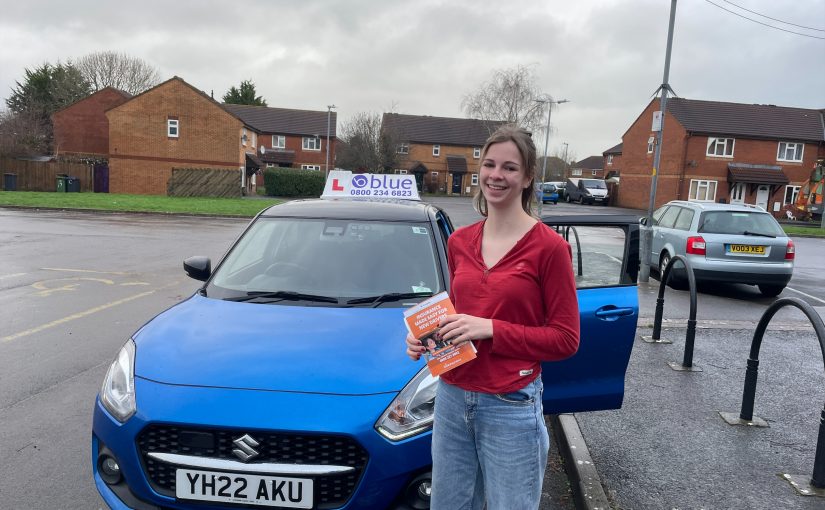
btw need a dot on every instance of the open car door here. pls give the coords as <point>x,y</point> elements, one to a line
<point>606,265</point>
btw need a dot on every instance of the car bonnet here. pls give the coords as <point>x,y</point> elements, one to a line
<point>276,347</point>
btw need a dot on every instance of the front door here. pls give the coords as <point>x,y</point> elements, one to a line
<point>101,178</point>
<point>737,193</point>
<point>762,195</point>
<point>457,183</point>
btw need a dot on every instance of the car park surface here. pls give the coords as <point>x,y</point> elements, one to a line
<point>279,358</point>
<point>724,243</point>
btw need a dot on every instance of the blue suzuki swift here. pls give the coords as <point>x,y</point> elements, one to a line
<point>283,381</point>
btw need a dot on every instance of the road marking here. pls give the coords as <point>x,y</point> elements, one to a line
<point>81,270</point>
<point>11,275</point>
<point>46,291</point>
<point>806,295</point>
<point>76,316</point>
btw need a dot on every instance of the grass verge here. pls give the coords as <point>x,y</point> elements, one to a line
<point>813,231</point>
<point>136,203</point>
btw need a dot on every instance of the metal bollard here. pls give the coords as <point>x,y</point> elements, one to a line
<point>687,360</point>
<point>749,391</point>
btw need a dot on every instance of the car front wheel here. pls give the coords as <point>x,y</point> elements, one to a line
<point>771,290</point>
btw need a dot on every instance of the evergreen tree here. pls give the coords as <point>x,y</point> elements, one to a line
<point>244,95</point>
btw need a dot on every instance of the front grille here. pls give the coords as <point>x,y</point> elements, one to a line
<point>331,491</point>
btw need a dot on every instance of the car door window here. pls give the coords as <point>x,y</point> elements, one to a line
<point>598,255</point>
<point>684,220</point>
<point>657,214</point>
<point>669,217</point>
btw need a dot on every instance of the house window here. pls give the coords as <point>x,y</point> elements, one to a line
<point>576,172</point>
<point>254,139</point>
<point>172,128</point>
<point>243,137</point>
<point>434,175</point>
<point>474,179</point>
<point>650,143</point>
<point>403,148</point>
<point>791,193</point>
<point>722,147</point>
<point>400,171</point>
<point>790,151</point>
<point>310,167</point>
<point>312,143</point>
<point>702,191</point>
<point>594,172</point>
<point>278,142</point>
<point>436,150</point>
<point>476,152</point>
<point>610,159</point>
<point>270,165</point>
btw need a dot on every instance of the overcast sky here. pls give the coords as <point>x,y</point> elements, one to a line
<point>422,57</point>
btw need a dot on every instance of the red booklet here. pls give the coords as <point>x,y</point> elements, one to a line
<point>422,321</point>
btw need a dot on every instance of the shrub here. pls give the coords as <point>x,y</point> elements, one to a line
<point>293,182</point>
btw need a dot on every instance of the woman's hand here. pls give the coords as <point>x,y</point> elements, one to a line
<point>414,348</point>
<point>460,328</point>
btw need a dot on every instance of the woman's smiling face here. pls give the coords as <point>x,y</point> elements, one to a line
<point>502,175</point>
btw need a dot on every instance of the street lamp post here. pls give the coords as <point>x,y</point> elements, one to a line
<point>329,117</point>
<point>549,102</point>
<point>565,159</point>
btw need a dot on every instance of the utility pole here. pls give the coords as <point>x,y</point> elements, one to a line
<point>549,102</point>
<point>565,161</point>
<point>647,242</point>
<point>329,116</point>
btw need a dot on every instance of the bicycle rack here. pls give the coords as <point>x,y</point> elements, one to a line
<point>814,486</point>
<point>578,245</point>
<point>690,336</point>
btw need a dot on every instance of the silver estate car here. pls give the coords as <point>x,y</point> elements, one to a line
<point>732,243</point>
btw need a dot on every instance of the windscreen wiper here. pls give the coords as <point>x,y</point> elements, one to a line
<point>391,296</point>
<point>281,295</point>
<point>757,234</point>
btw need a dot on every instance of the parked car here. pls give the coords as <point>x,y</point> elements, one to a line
<point>724,243</point>
<point>586,191</point>
<point>283,380</point>
<point>549,193</point>
<point>559,188</point>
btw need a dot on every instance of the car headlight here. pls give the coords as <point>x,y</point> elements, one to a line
<point>118,391</point>
<point>411,412</point>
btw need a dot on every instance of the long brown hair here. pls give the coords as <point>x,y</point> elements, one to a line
<point>527,149</point>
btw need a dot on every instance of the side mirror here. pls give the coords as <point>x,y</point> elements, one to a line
<point>643,221</point>
<point>198,267</point>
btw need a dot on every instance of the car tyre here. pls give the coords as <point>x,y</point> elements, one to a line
<point>675,282</point>
<point>567,198</point>
<point>771,290</point>
<point>581,200</point>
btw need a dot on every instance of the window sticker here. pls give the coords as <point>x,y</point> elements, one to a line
<point>420,230</point>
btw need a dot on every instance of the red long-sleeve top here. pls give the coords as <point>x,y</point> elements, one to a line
<point>530,294</point>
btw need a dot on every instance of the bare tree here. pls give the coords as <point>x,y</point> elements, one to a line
<point>119,70</point>
<point>23,134</point>
<point>366,146</point>
<point>509,96</point>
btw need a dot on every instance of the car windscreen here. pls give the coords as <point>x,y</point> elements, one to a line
<point>739,222</point>
<point>594,184</point>
<point>342,259</point>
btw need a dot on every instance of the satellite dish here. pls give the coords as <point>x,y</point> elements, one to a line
<point>263,149</point>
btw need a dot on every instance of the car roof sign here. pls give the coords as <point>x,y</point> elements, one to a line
<point>345,184</point>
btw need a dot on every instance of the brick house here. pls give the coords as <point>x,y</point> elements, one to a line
<point>82,129</point>
<point>592,167</point>
<point>714,151</point>
<point>444,153</point>
<point>175,125</point>
<point>612,161</point>
<point>290,138</point>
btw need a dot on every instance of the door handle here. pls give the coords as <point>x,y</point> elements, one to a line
<point>612,312</point>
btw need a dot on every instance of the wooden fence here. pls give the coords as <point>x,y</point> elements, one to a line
<point>42,175</point>
<point>204,182</point>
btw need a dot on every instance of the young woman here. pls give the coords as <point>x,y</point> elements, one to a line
<point>512,285</point>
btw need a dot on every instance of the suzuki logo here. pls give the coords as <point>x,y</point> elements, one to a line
<point>245,448</point>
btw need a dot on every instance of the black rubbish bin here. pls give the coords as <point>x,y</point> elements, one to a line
<point>10,182</point>
<point>72,185</point>
<point>61,182</point>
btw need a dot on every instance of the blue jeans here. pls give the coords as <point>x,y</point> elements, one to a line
<point>488,447</point>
